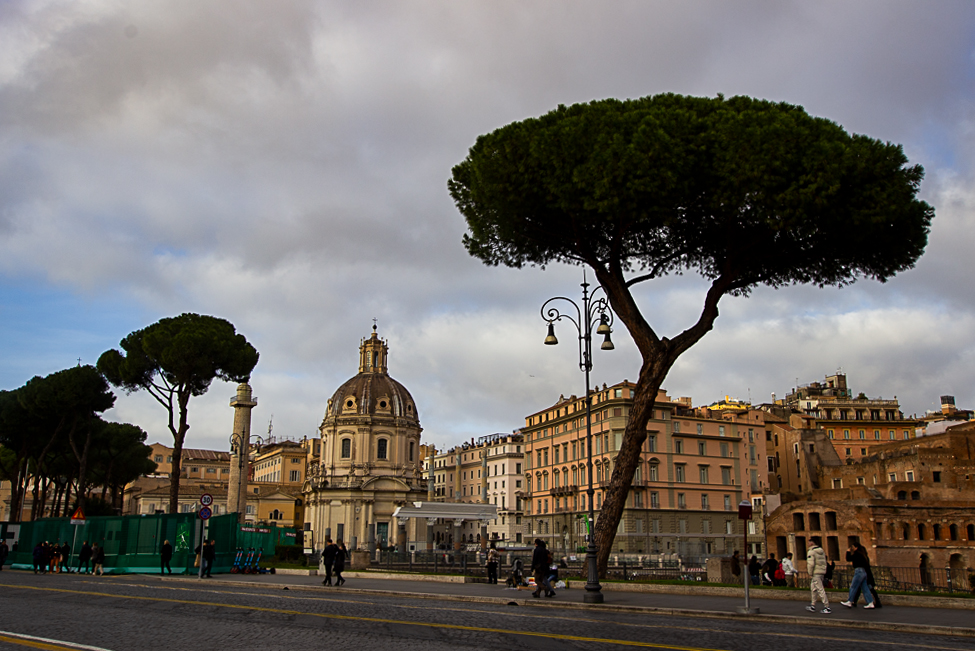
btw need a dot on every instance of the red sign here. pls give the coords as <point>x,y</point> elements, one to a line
<point>78,515</point>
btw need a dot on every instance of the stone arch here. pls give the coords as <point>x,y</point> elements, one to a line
<point>920,534</point>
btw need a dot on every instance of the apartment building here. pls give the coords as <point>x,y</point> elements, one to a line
<point>488,470</point>
<point>853,424</point>
<point>695,467</point>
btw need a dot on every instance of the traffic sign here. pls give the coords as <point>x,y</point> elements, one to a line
<point>78,517</point>
<point>206,499</point>
<point>205,513</point>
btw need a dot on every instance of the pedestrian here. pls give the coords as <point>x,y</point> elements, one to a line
<point>857,556</point>
<point>38,557</point>
<point>754,569</point>
<point>873,590</point>
<point>735,565</point>
<point>789,570</point>
<point>328,560</point>
<point>65,558</point>
<point>828,578</point>
<point>768,570</point>
<point>53,556</point>
<point>816,564</point>
<point>84,558</point>
<point>3,553</point>
<point>209,555</point>
<point>165,555</point>
<point>492,563</point>
<point>341,553</point>
<point>540,568</point>
<point>98,558</point>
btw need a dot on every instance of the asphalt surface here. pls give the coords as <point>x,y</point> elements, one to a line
<point>267,612</point>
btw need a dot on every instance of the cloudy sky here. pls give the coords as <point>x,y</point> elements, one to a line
<point>284,165</point>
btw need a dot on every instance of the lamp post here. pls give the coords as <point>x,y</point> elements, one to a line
<point>593,311</point>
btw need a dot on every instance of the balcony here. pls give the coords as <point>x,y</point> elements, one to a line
<point>565,490</point>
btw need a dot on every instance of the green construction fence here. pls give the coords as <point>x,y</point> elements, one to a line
<point>132,542</point>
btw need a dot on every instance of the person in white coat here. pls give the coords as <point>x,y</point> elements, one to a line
<point>816,567</point>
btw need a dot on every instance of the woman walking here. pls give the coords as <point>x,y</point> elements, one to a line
<point>340,554</point>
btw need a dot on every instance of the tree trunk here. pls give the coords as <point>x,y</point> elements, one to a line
<point>179,436</point>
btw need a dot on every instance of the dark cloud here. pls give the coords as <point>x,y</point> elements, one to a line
<point>285,166</point>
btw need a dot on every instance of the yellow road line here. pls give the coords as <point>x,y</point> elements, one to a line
<point>548,616</point>
<point>376,620</point>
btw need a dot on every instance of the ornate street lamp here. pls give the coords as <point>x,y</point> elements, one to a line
<point>589,314</point>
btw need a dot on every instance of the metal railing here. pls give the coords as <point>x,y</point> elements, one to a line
<point>906,579</point>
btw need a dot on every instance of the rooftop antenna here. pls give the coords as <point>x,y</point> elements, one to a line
<point>270,426</point>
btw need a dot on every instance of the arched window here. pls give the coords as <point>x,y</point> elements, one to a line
<point>555,478</point>
<point>906,532</point>
<point>412,444</point>
<point>575,476</point>
<point>953,532</point>
<point>902,495</point>
<point>382,446</point>
<point>346,448</point>
<point>915,495</point>
<point>971,532</point>
<point>920,531</point>
<point>937,531</point>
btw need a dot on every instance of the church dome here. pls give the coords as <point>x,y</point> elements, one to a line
<point>372,392</point>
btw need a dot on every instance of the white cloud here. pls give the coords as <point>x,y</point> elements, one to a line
<point>285,167</point>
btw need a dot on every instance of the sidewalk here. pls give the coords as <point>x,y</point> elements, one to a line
<point>938,621</point>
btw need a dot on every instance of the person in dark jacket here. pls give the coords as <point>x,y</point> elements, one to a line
<point>341,553</point>
<point>209,555</point>
<point>768,570</point>
<point>754,569</point>
<point>38,557</point>
<point>857,556</point>
<point>540,568</point>
<point>65,565</point>
<point>165,555</point>
<point>328,560</point>
<point>84,558</point>
<point>98,558</point>
<point>3,553</point>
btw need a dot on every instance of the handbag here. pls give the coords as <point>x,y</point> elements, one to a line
<point>196,561</point>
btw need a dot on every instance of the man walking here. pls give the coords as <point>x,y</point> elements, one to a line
<point>3,553</point>
<point>816,567</point>
<point>208,556</point>
<point>165,555</point>
<point>540,568</point>
<point>328,560</point>
<point>492,563</point>
<point>84,558</point>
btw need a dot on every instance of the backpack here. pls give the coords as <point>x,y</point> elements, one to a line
<point>780,574</point>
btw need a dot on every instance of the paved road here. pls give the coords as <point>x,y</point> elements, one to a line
<point>136,612</point>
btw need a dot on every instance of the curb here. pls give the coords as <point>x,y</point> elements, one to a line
<point>924,629</point>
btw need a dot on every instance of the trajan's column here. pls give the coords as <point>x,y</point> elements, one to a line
<point>242,403</point>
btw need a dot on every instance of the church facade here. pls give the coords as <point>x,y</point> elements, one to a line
<point>369,461</point>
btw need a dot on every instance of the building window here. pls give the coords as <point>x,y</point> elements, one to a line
<point>720,430</point>
<point>704,474</point>
<point>157,458</point>
<point>702,448</point>
<point>700,428</point>
<point>654,500</point>
<point>412,446</point>
<point>678,446</point>
<point>346,448</point>
<point>652,443</point>
<point>727,502</point>
<point>724,450</point>
<point>678,472</point>
<point>846,434</point>
<point>726,476</point>
<point>295,475</point>
<point>910,475</point>
<point>653,472</point>
<point>705,503</point>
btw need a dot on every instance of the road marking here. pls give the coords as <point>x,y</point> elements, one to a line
<point>44,643</point>
<point>377,620</point>
<point>273,592</point>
